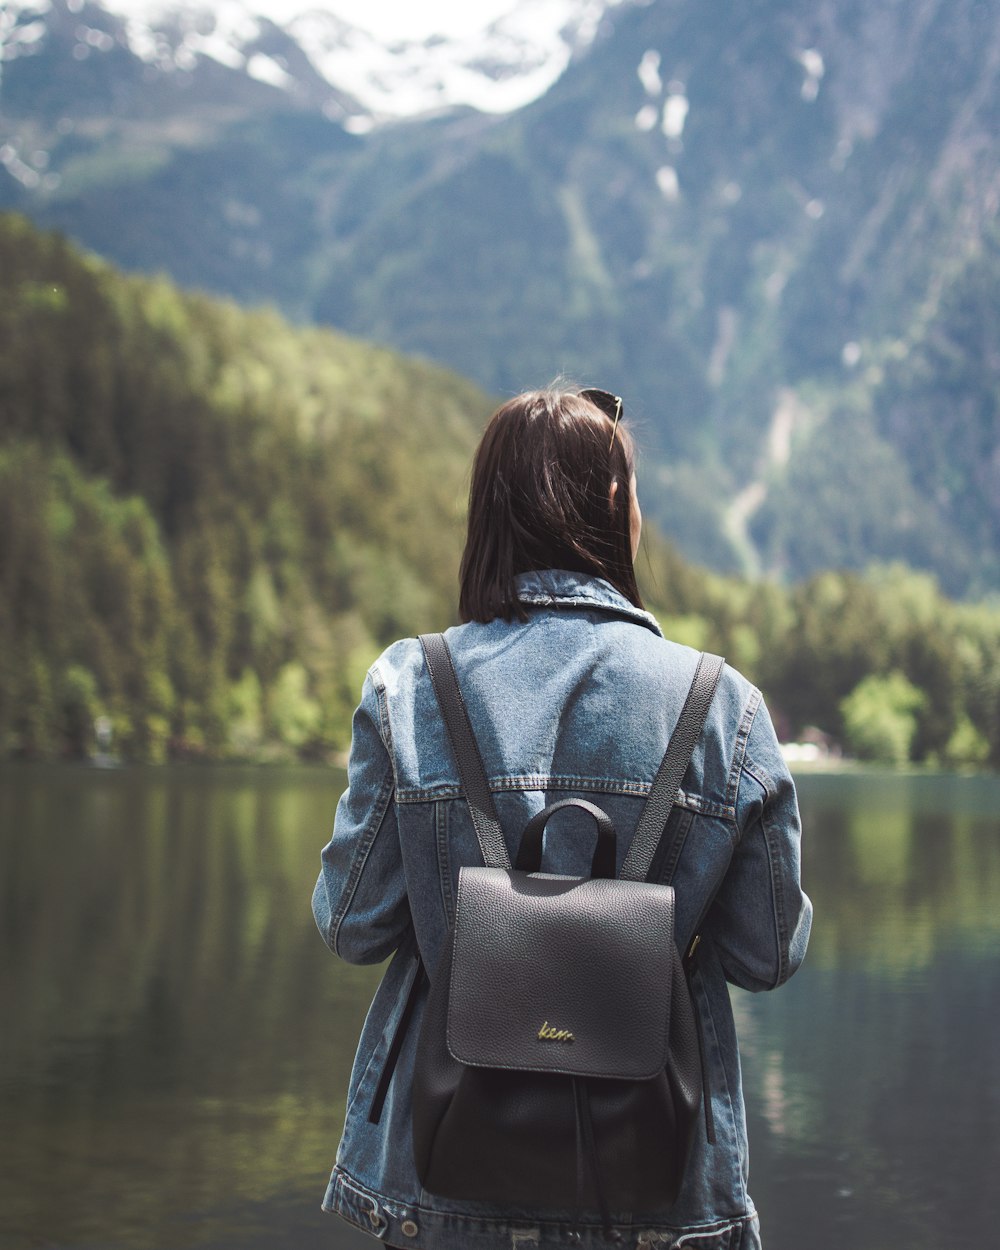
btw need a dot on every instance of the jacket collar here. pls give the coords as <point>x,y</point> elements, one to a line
<point>559,588</point>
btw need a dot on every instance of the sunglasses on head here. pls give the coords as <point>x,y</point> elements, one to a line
<point>610,405</point>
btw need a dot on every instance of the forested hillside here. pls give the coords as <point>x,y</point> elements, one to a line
<point>211,522</point>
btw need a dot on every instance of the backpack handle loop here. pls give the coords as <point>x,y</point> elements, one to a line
<point>529,853</point>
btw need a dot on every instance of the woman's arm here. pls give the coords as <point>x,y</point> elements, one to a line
<point>360,902</point>
<point>760,919</point>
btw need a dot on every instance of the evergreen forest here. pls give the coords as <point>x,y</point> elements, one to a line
<point>212,521</point>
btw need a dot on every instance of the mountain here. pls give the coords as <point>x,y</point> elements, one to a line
<point>771,227</point>
<point>309,55</point>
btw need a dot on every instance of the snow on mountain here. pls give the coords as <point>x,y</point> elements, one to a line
<point>508,61</point>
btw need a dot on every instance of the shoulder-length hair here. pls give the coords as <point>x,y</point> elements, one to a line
<point>542,497</point>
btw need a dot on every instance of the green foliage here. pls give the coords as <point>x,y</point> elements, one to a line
<point>880,718</point>
<point>814,646</point>
<point>211,523</point>
<point>79,703</point>
<point>245,714</point>
<point>966,745</point>
<point>294,717</point>
<point>88,606</point>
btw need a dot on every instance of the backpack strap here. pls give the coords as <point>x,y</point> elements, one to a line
<point>656,812</point>
<point>466,749</point>
<point>660,801</point>
<point>472,774</point>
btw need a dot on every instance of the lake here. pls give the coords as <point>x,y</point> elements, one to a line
<point>176,1039</point>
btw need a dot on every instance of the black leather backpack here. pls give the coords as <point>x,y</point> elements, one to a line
<point>559,1063</point>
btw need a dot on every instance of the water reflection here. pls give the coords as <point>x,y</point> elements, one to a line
<point>872,1078</point>
<point>175,1036</point>
<point>177,1039</point>
<point>911,863</point>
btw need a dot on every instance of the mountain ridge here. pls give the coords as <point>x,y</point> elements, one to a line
<point>744,221</point>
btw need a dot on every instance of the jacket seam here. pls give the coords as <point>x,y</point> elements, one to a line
<point>753,770</point>
<point>777,884</point>
<point>778,893</point>
<point>541,781</point>
<point>379,809</point>
<point>740,748</point>
<point>384,724</point>
<point>704,1004</point>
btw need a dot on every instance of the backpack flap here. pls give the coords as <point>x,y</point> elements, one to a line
<point>561,974</point>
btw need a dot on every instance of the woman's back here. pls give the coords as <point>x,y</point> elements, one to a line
<point>577,700</point>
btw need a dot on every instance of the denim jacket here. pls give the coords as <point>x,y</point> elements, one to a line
<point>580,700</point>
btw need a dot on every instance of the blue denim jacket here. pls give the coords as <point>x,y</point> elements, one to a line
<point>579,700</point>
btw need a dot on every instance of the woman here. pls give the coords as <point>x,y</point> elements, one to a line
<point>572,690</point>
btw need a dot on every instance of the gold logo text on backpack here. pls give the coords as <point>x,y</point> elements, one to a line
<point>549,1034</point>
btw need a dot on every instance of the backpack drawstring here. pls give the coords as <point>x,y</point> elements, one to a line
<point>586,1153</point>
<point>690,967</point>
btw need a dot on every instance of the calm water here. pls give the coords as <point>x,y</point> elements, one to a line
<point>176,1040</point>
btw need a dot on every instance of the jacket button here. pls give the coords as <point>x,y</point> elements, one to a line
<point>409,1229</point>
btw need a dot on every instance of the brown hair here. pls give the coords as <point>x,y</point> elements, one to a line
<point>541,498</point>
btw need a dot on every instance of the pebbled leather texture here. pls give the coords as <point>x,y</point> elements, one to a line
<point>543,955</point>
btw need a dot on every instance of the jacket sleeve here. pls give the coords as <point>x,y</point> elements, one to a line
<point>760,919</point>
<point>360,901</point>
